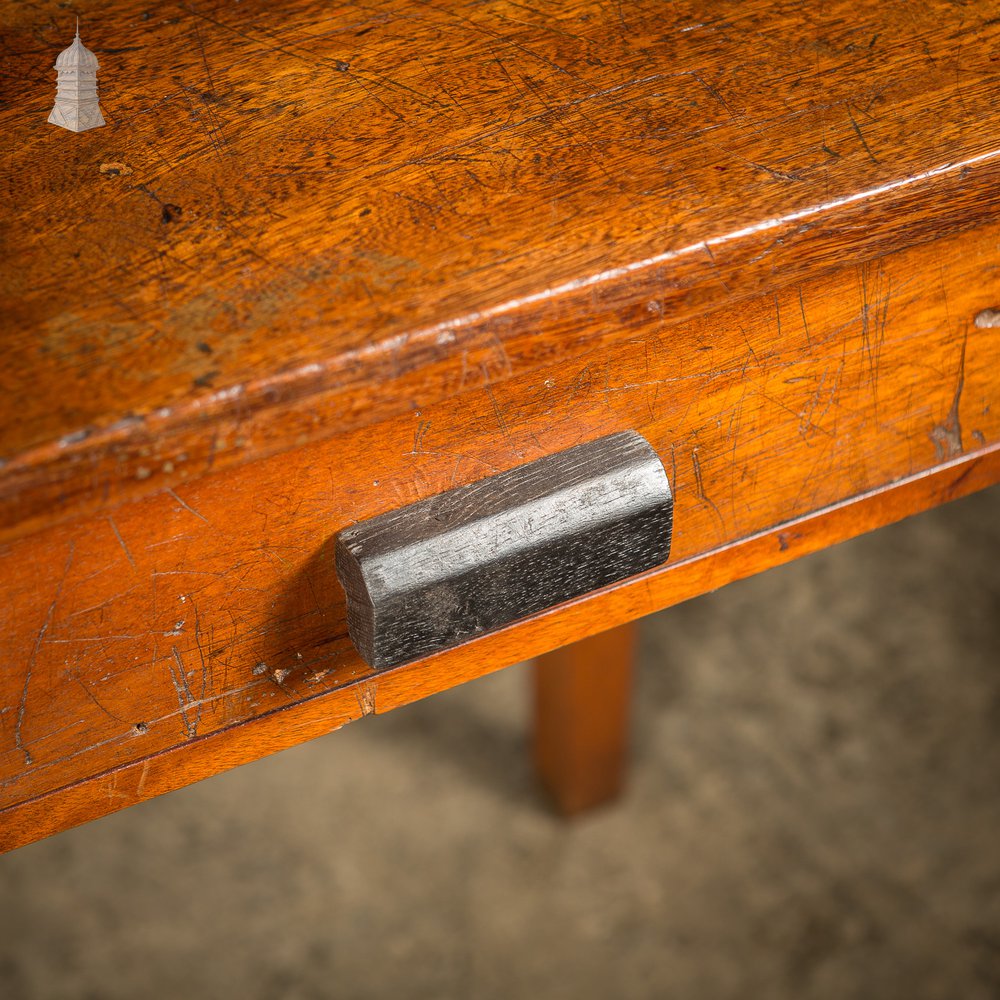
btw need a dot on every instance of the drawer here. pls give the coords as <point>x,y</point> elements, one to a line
<point>170,637</point>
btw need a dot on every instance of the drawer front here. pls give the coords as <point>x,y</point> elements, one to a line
<point>195,629</point>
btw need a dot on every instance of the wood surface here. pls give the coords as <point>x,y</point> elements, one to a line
<point>302,217</point>
<point>186,615</point>
<point>295,720</point>
<point>443,570</point>
<point>582,704</point>
<point>277,296</point>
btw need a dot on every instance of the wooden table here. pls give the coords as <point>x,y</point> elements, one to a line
<point>325,260</point>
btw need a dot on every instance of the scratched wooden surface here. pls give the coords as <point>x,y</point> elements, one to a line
<point>175,622</point>
<point>312,292</point>
<point>302,216</point>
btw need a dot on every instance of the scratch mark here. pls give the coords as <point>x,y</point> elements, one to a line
<point>806,422</point>
<point>701,488</point>
<point>621,17</point>
<point>957,482</point>
<point>418,436</point>
<point>751,353</point>
<point>735,423</point>
<point>204,669</point>
<point>450,150</point>
<point>716,95</point>
<point>277,677</point>
<point>103,604</point>
<point>93,698</point>
<point>121,541</point>
<point>947,437</point>
<point>183,689</point>
<point>553,292</point>
<point>188,507</point>
<point>213,131</point>
<point>781,175</point>
<point>18,742</point>
<point>501,423</point>
<point>873,325</point>
<point>860,135</point>
<point>365,693</point>
<point>113,792</point>
<point>805,322</point>
<point>142,780</point>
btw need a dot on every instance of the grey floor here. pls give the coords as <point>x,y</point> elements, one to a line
<point>814,812</point>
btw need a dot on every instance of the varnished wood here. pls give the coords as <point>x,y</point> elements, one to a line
<point>582,701</point>
<point>192,407</point>
<point>446,569</point>
<point>296,720</point>
<point>123,619</point>
<point>302,218</point>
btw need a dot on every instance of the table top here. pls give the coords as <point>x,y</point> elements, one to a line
<point>300,218</point>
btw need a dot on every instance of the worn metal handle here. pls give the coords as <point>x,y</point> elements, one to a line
<point>445,569</point>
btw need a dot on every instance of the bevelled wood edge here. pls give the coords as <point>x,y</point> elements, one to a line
<point>360,607</point>
<point>437,572</point>
<point>96,468</point>
<point>82,801</point>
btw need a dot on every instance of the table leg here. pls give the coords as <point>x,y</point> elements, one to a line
<point>582,695</point>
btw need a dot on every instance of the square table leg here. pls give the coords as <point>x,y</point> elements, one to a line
<point>581,724</point>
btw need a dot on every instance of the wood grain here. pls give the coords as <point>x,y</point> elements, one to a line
<point>445,569</point>
<point>295,721</point>
<point>325,262</point>
<point>187,618</point>
<point>301,219</point>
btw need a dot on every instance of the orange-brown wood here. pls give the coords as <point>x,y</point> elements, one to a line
<point>189,613</point>
<point>301,218</point>
<point>295,721</point>
<point>762,242</point>
<point>582,696</point>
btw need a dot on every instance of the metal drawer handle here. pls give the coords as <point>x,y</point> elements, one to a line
<point>453,566</point>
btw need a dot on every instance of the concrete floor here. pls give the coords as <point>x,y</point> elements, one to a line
<point>814,812</point>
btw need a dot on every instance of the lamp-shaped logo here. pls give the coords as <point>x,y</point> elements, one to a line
<point>76,105</point>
